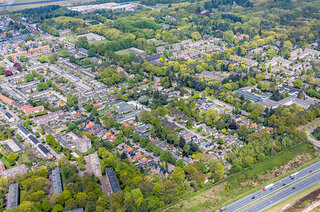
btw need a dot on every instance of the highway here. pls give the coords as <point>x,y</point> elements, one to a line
<point>284,194</point>
<point>11,3</point>
<point>280,184</point>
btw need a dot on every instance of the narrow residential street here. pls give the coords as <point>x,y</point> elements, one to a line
<point>309,131</point>
<point>183,127</point>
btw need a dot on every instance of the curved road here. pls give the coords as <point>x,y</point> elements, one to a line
<point>280,184</point>
<point>12,4</point>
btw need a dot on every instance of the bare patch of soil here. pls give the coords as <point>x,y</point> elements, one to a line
<point>304,202</point>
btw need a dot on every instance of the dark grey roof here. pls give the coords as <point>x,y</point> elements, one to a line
<point>154,58</point>
<point>13,197</point>
<point>62,141</point>
<point>33,139</point>
<point>43,149</point>
<point>76,210</point>
<point>112,179</point>
<point>186,160</point>
<point>8,115</point>
<point>56,181</point>
<point>93,22</point>
<point>123,107</point>
<point>23,130</point>
<point>247,94</point>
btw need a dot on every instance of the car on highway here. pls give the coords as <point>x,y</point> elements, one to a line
<point>253,197</point>
<point>294,188</point>
<point>310,171</point>
<point>283,184</point>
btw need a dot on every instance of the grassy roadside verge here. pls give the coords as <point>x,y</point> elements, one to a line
<point>215,196</point>
<point>290,200</point>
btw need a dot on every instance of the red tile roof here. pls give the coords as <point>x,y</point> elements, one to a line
<point>6,99</point>
<point>28,109</point>
<point>90,124</point>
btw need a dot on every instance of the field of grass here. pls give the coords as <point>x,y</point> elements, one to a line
<point>24,159</point>
<point>102,112</point>
<point>20,7</point>
<point>241,184</point>
<point>71,39</point>
<point>35,4</point>
<point>123,52</point>
<point>290,200</point>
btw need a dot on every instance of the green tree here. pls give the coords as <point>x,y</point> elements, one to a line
<point>42,58</point>
<point>297,83</point>
<point>71,100</point>
<point>42,129</point>
<point>42,86</point>
<point>12,158</point>
<point>64,53</point>
<point>72,59</point>
<point>219,171</point>
<point>28,77</point>
<point>23,58</point>
<point>179,163</point>
<point>178,174</point>
<point>57,208</point>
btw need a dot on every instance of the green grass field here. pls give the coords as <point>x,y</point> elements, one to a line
<point>123,52</point>
<point>72,39</point>
<point>34,4</point>
<point>20,7</point>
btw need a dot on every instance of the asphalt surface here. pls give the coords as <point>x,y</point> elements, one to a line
<point>284,194</point>
<point>283,183</point>
<point>26,3</point>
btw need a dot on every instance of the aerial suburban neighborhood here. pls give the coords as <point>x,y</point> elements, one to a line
<point>159,106</point>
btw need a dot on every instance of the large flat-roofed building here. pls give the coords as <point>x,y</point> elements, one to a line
<point>83,144</point>
<point>76,210</point>
<point>45,119</point>
<point>138,52</point>
<point>13,145</point>
<point>93,164</point>
<point>13,196</point>
<point>287,102</point>
<point>112,181</point>
<point>123,107</point>
<point>21,169</point>
<point>246,93</point>
<point>56,181</point>
<point>28,109</point>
